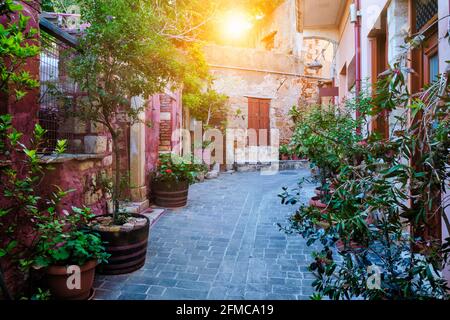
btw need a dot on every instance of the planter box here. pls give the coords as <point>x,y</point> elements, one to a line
<point>128,248</point>
<point>170,194</point>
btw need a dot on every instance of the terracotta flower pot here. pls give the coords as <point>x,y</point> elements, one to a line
<point>284,157</point>
<point>58,281</point>
<point>295,157</point>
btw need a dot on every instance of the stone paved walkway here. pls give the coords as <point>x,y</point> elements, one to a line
<point>224,245</point>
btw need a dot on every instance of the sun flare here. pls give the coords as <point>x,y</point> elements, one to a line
<point>236,24</point>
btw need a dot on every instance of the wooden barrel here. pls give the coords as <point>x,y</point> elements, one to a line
<point>128,249</point>
<point>170,194</point>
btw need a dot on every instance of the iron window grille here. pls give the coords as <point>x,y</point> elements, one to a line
<point>58,94</point>
<point>425,11</point>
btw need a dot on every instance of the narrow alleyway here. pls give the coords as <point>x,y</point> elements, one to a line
<point>224,245</point>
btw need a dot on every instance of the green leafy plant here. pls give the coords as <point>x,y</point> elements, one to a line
<point>122,55</point>
<point>327,136</point>
<point>173,168</point>
<point>23,207</point>
<point>18,43</point>
<point>209,107</point>
<point>285,150</point>
<point>296,114</point>
<point>386,200</point>
<point>66,240</point>
<point>58,5</point>
<point>41,295</point>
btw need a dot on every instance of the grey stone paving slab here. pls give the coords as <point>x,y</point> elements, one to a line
<point>225,244</point>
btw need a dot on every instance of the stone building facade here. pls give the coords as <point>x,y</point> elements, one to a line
<point>271,68</point>
<point>89,158</point>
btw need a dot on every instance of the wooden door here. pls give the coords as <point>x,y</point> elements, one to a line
<point>380,122</point>
<point>259,120</point>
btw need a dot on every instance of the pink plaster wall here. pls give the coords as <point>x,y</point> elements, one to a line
<point>152,134</point>
<point>152,114</point>
<point>83,179</point>
<point>176,121</point>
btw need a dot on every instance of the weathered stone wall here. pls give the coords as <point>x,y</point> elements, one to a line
<point>259,59</point>
<point>284,91</point>
<point>83,175</point>
<point>283,21</point>
<point>166,123</point>
<point>278,74</point>
<point>322,51</point>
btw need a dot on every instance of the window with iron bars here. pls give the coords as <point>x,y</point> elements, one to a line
<point>425,11</point>
<point>58,95</point>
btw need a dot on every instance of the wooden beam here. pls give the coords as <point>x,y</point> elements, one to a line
<point>58,33</point>
<point>329,92</point>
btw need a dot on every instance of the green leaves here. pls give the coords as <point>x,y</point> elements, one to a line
<point>327,136</point>
<point>61,146</point>
<point>10,6</point>
<point>8,248</point>
<point>386,198</point>
<point>172,167</point>
<point>16,46</point>
<point>65,239</point>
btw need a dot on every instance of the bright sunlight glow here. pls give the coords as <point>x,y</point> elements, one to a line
<point>236,24</point>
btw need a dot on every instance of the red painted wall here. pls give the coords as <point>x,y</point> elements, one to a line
<point>24,114</point>
<point>25,111</point>
<point>83,177</point>
<point>152,114</point>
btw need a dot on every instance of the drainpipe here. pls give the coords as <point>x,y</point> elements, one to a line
<point>355,17</point>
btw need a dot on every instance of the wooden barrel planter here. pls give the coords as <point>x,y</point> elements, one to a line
<point>170,194</point>
<point>128,249</point>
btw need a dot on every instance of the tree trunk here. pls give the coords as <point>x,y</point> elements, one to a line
<point>116,175</point>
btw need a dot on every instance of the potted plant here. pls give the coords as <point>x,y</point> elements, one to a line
<point>170,183</point>
<point>284,152</point>
<point>297,152</point>
<point>327,136</point>
<point>122,58</point>
<point>374,232</point>
<point>67,249</point>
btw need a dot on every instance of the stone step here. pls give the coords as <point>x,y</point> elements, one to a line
<point>153,214</point>
<point>283,165</point>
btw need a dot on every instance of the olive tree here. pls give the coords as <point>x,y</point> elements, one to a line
<point>121,55</point>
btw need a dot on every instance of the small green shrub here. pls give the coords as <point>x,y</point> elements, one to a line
<point>173,168</point>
